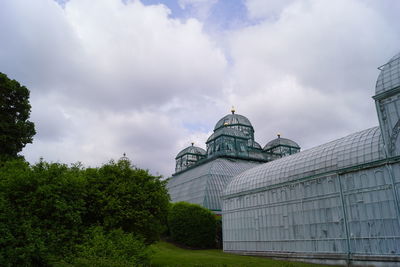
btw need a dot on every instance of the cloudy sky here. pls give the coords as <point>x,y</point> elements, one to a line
<point>148,77</point>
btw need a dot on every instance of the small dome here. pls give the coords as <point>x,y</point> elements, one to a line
<point>228,132</point>
<point>233,119</point>
<point>281,141</point>
<point>191,150</point>
<point>389,77</point>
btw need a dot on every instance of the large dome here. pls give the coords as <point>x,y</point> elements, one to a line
<point>233,120</point>
<point>389,78</point>
<point>191,150</point>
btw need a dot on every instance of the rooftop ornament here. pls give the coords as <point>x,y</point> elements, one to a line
<point>124,157</point>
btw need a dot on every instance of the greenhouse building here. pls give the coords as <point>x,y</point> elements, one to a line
<point>201,175</point>
<point>335,203</point>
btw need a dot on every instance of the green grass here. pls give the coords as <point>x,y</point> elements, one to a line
<point>166,254</point>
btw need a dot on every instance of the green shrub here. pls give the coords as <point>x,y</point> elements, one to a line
<point>192,225</point>
<point>218,232</point>
<point>119,196</point>
<point>40,212</point>
<point>46,208</point>
<point>115,248</point>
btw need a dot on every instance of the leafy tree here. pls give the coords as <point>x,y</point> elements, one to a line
<point>15,128</point>
<point>119,196</point>
<point>41,209</point>
<point>46,210</point>
<point>192,225</point>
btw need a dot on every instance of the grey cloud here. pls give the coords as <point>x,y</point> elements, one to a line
<point>311,73</point>
<point>112,78</point>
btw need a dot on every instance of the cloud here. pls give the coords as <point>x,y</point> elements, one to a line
<point>310,73</point>
<point>271,9</point>
<point>198,8</point>
<point>84,62</point>
<point>120,76</point>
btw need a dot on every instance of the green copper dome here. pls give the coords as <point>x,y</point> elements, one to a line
<point>191,150</point>
<point>280,147</point>
<point>281,142</point>
<point>233,120</point>
<point>389,78</point>
<point>189,157</point>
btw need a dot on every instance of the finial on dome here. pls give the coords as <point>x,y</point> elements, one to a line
<point>233,110</point>
<point>279,135</point>
<point>124,157</point>
<point>192,143</point>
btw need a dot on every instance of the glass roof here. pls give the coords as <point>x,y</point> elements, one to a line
<point>281,141</point>
<point>191,150</point>
<point>233,119</point>
<point>204,184</point>
<point>389,78</point>
<point>355,149</point>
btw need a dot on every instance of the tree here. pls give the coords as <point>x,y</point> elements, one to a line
<point>51,212</point>
<point>41,210</point>
<point>119,196</point>
<point>15,128</point>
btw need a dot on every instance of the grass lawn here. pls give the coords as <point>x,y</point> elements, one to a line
<point>167,254</point>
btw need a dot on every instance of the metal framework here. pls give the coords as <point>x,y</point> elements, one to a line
<point>338,201</point>
<point>201,176</point>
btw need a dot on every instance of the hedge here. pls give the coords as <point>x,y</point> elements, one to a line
<point>192,225</point>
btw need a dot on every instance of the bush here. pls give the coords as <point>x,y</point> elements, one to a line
<point>192,225</point>
<point>46,208</point>
<point>218,233</point>
<point>119,196</point>
<point>41,208</point>
<point>115,248</point>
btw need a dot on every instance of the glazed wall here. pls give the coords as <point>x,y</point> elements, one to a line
<point>350,213</point>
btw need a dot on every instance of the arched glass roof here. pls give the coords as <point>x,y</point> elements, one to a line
<point>355,149</point>
<point>233,119</point>
<point>281,141</point>
<point>389,78</point>
<point>191,150</point>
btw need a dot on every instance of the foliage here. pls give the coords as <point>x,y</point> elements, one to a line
<point>40,209</point>
<point>15,128</point>
<point>166,254</point>
<point>192,225</point>
<point>119,196</point>
<point>218,232</point>
<point>46,208</point>
<point>115,248</point>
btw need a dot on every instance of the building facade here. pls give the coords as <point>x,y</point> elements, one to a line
<point>337,202</point>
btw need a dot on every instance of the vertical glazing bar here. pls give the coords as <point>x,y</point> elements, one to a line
<point>382,127</point>
<point>394,191</point>
<point>345,219</point>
